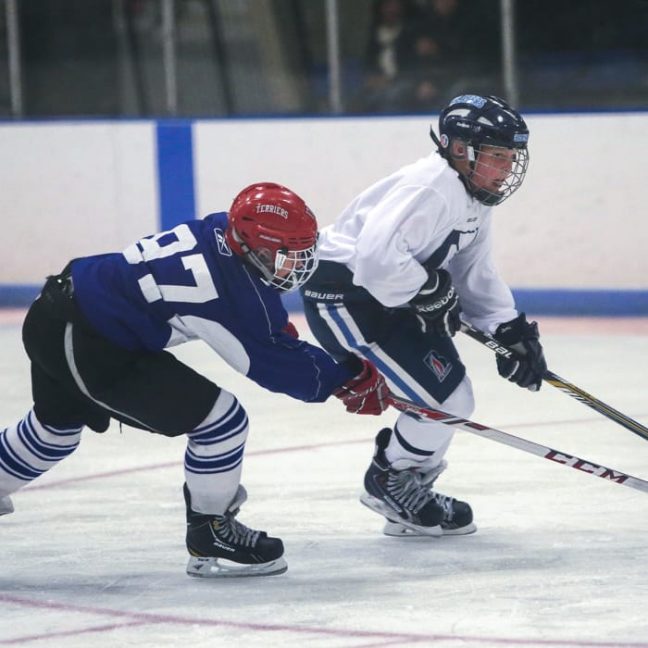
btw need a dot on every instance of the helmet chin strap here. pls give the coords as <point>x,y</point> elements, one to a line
<point>267,276</point>
<point>483,196</point>
<point>472,161</point>
<point>256,263</point>
<point>251,258</point>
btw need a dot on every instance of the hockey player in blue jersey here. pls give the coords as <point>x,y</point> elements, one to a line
<point>397,267</point>
<point>96,338</point>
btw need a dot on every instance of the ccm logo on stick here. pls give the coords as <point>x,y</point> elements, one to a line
<point>580,464</point>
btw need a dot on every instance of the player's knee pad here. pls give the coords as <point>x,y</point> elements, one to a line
<point>462,400</point>
<point>226,424</point>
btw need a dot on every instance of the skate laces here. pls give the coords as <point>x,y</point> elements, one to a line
<point>444,501</point>
<point>413,489</point>
<point>430,476</point>
<point>407,487</point>
<point>231,530</point>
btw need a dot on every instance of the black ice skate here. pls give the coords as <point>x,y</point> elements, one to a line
<point>405,497</point>
<point>220,546</point>
<point>6,506</point>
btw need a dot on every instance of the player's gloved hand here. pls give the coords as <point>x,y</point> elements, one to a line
<point>366,392</point>
<point>529,365</point>
<point>290,329</point>
<point>437,305</point>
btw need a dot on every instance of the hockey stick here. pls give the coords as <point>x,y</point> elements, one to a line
<point>610,474</point>
<point>562,384</point>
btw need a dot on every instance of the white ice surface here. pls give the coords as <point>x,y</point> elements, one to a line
<point>94,554</point>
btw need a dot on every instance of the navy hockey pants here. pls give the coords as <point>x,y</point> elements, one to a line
<point>417,365</point>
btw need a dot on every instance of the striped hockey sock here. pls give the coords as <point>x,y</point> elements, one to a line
<point>214,456</point>
<point>30,448</point>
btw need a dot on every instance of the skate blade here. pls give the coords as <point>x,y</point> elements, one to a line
<point>397,530</point>
<point>380,507</point>
<point>464,530</point>
<point>223,568</point>
<point>6,506</point>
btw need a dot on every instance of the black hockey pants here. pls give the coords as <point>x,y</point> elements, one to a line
<point>81,378</point>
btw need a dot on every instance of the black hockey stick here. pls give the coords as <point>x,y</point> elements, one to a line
<point>525,445</point>
<point>562,384</point>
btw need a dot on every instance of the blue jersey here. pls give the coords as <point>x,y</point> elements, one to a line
<point>187,284</point>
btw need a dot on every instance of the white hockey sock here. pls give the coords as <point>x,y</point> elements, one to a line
<point>214,456</point>
<point>418,442</point>
<point>30,448</point>
<point>423,441</point>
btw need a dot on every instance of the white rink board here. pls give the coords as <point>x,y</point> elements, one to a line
<point>76,188</point>
<point>94,554</point>
<point>577,222</point>
<point>73,189</point>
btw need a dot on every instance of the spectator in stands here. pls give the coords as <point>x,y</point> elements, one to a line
<point>393,60</point>
<point>422,51</point>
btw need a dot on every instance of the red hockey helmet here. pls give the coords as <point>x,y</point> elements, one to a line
<point>273,229</point>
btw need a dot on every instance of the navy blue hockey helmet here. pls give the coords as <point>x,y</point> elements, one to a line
<point>479,122</point>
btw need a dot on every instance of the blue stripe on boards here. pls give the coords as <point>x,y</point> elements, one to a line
<point>560,302</point>
<point>18,295</point>
<point>582,303</point>
<point>563,302</point>
<point>175,173</point>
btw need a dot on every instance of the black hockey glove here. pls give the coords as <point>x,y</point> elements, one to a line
<point>529,365</point>
<point>437,305</point>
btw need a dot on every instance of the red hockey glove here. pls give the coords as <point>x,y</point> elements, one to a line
<point>290,329</point>
<point>366,393</point>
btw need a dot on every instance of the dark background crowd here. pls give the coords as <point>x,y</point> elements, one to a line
<point>581,52</point>
<point>106,57</point>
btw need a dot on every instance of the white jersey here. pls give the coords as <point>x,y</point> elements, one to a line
<point>421,213</point>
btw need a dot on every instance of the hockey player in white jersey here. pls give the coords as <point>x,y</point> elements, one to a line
<point>96,338</point>
<point>397,268</point>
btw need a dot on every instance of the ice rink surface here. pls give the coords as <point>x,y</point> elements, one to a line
<point>95,556</point>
